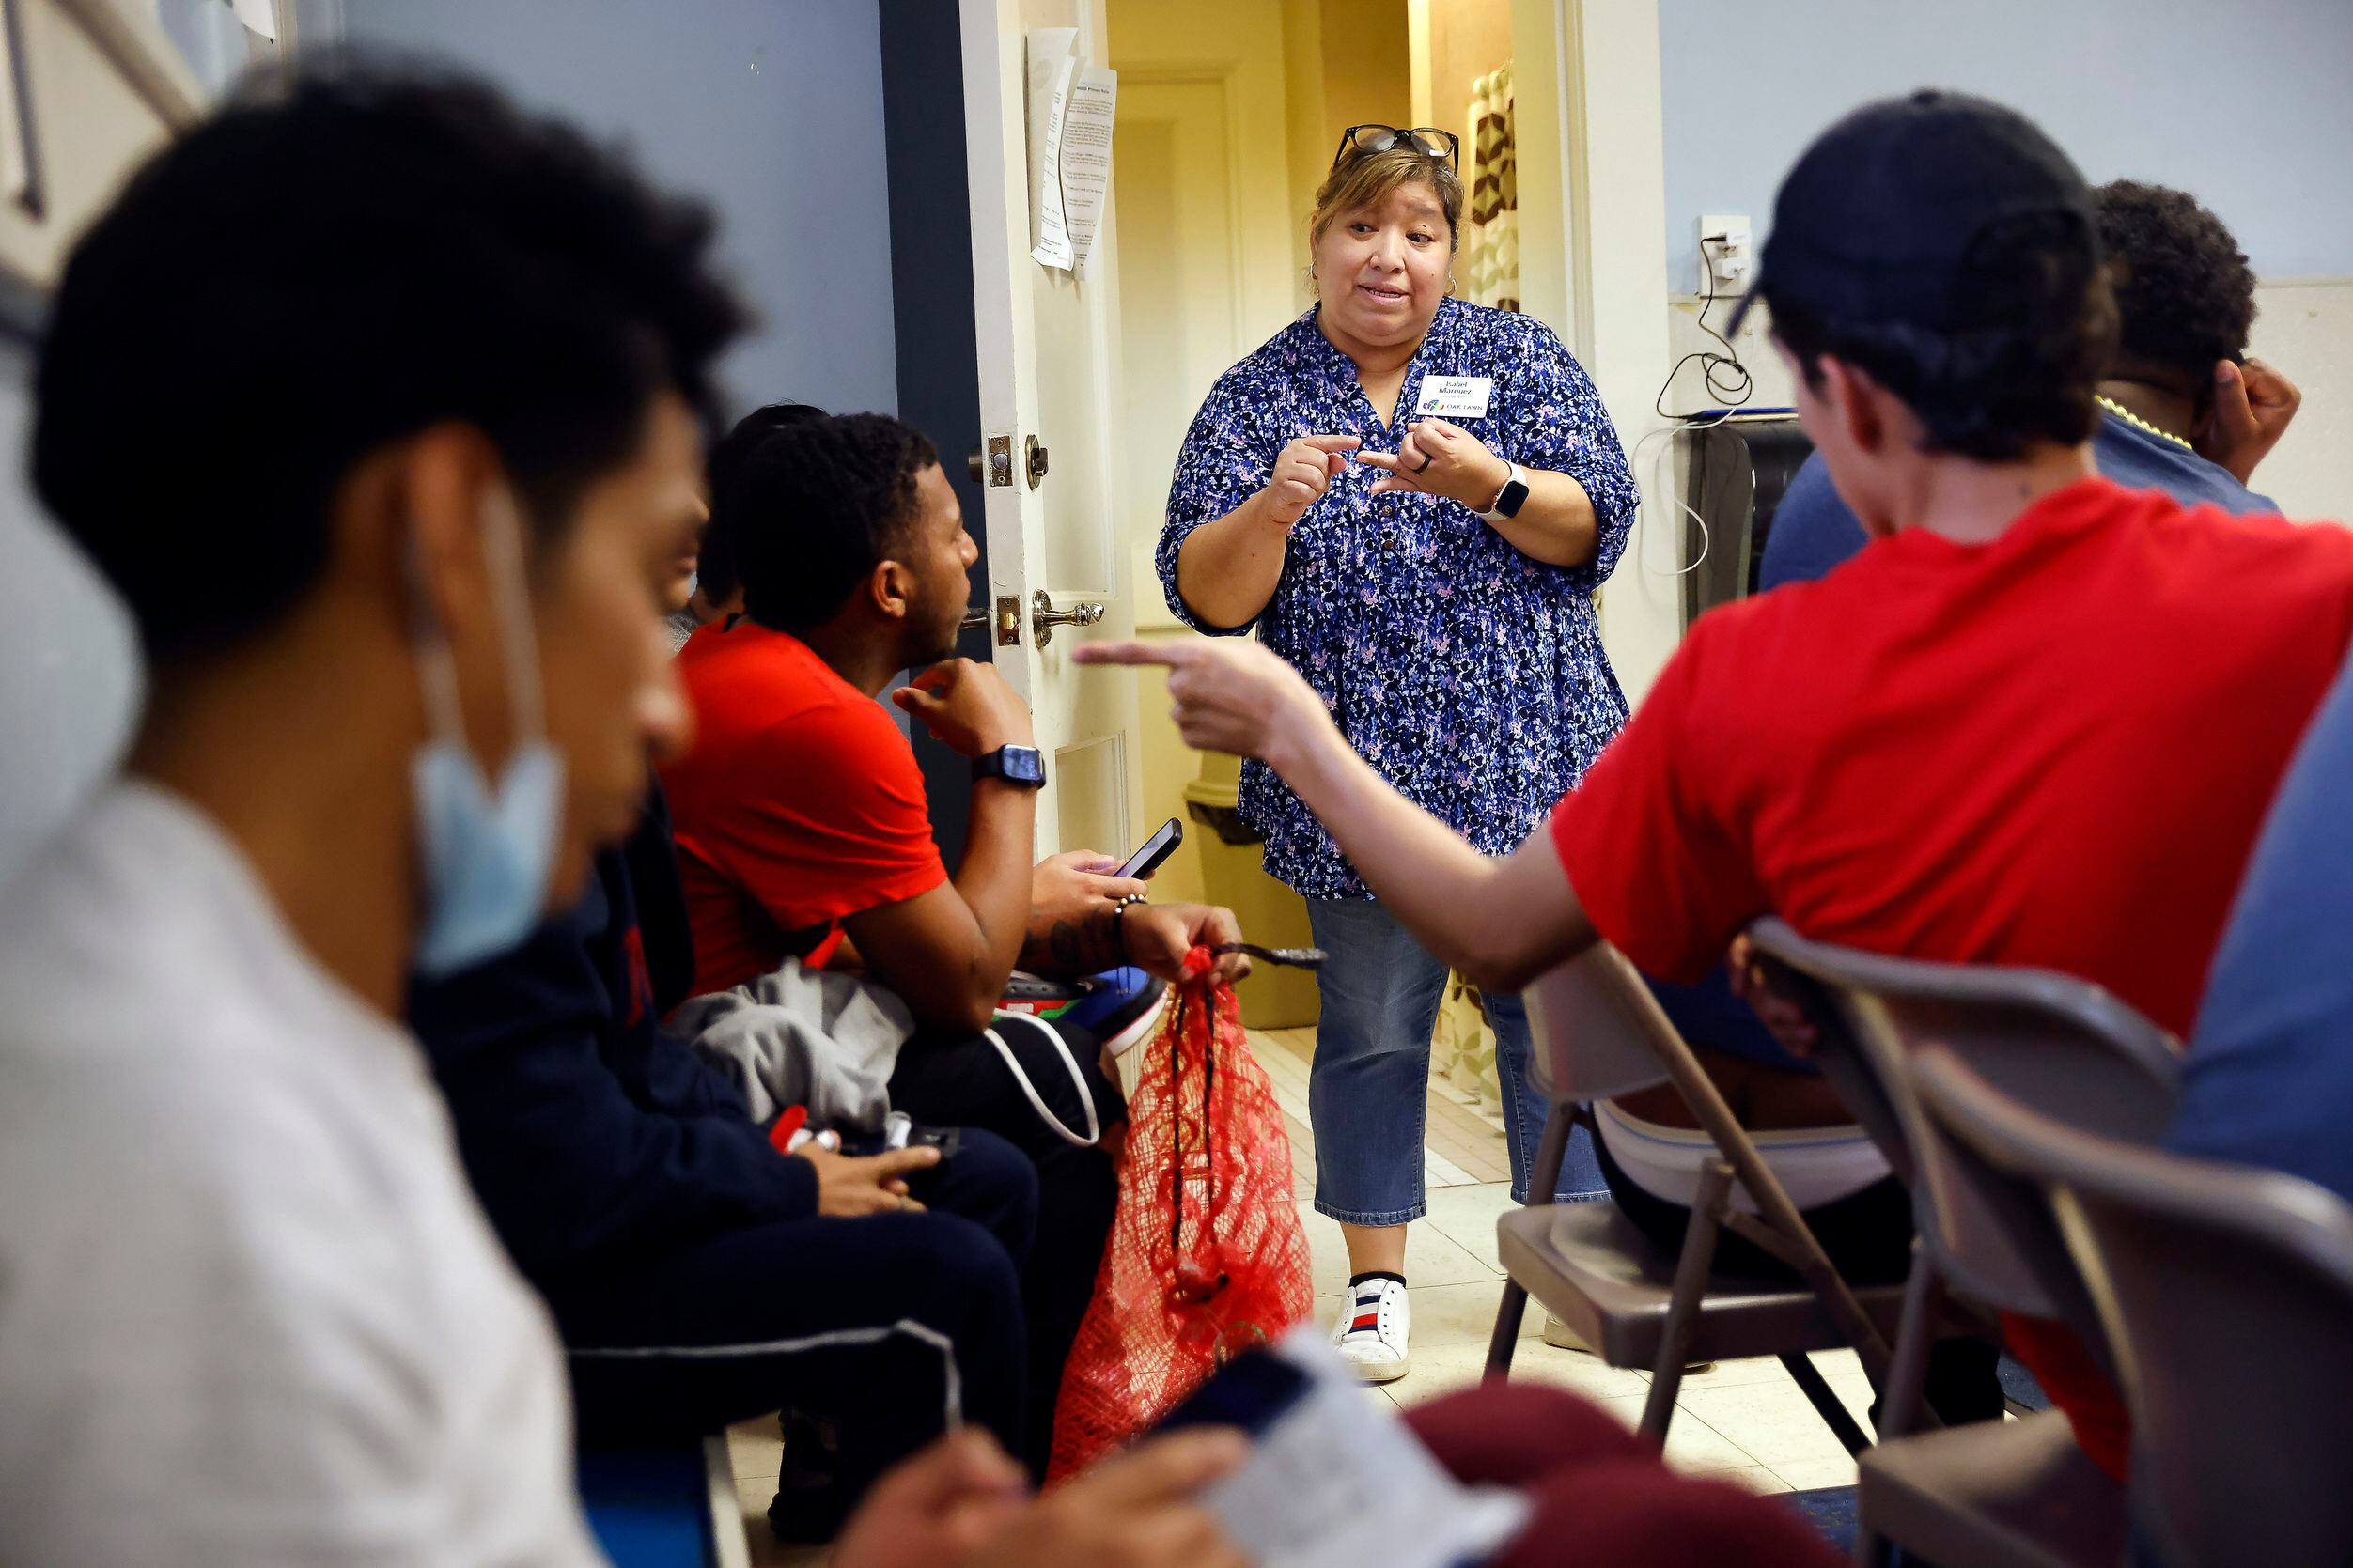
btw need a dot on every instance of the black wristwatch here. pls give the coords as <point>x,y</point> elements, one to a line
<point>1513,496</point>
<point>1019,765</point>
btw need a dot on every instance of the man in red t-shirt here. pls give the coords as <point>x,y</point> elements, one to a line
<point>803,827</point>
<point>2036,721</point>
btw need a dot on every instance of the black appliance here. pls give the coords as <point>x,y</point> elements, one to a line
<point>1734,472</point>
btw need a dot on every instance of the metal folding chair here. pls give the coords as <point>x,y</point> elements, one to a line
<point>1998,1493</point>
<point>1599,1033</point>
<point>2225,1291</point>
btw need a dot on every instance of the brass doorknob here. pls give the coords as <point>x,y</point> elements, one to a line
<point>1035,459</point>
<point>975,464</point>
<point>1044,618</point>
<point>977,614</point>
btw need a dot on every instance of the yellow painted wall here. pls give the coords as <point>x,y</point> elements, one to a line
<point>1228,113</point>
<point>1201,147</point>
<point>1347,63</point>
<point>1466,40</point>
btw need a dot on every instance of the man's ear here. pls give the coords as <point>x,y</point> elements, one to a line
<point>419,510</point>
<point>1855,400</point>
<point>891,587</point>
<point>433,489</point>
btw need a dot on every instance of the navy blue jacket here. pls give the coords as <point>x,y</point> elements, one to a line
<point>590,1135</point>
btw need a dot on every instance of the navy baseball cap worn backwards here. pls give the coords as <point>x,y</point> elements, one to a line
<point>1880,221</point>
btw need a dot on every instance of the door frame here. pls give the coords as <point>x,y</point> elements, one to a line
<point>932,316</point>
<point>1591,154</point>
<point>1010,312</point>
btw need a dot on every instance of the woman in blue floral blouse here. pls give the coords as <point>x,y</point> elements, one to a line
<point>1412,499</point>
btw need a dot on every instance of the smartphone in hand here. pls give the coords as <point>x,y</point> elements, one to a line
<point>1155,849</point>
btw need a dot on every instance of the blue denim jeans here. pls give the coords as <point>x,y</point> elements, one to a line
<point>1368,1092</point>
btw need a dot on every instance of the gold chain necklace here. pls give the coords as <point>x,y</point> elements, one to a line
<point>2135,420</point>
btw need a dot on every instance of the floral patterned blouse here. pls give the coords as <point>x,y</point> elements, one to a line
<point>1468,674</point>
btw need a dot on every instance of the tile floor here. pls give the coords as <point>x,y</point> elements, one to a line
<point>1744,1421</point>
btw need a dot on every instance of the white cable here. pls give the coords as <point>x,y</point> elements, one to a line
<point>1086,1095</point>
<point>1707,535</point>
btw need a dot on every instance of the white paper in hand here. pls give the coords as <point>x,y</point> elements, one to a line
<point>1336,1483</point>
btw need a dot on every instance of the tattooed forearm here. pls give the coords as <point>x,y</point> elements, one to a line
<point>1068,948</point>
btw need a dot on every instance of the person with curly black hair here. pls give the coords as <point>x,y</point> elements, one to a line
<point>2184,408</point>
<point>2184,305</point>
<point>851,552</point>
<point>380,406</point>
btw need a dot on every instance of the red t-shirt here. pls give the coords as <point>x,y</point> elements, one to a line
<point>799,803</point>
<point>2053,750</point>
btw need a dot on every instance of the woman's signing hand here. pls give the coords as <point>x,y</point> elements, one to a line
<point>1303,471</point>
<point>1439,458</point>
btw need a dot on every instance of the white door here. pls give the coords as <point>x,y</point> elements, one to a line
<point>1050,380</point>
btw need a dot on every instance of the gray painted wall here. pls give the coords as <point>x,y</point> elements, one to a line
<point>771,110</point>
<point>69,673</point>
<point>2244,104</point>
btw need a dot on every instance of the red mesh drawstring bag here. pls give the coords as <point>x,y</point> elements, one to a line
<point>1206,1257</point>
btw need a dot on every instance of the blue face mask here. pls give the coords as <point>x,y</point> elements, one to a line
<point>486,851</point>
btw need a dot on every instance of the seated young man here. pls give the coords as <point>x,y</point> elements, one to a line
<point>2185,302</point>
<point>852,557</point>
<point>1966,745</point>
<point>803,829</point>
<point>415,384</point>
<point>698,1276</point>
<point>2183,410</point>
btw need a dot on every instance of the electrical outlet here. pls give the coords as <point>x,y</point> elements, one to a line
<point>1727,253</point>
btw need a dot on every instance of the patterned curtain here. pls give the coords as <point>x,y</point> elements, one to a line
<point>1491,250</point>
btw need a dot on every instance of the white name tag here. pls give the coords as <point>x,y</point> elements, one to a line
<point>1456,396</point>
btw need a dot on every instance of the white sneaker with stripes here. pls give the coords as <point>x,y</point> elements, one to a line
<point>1375,1321</point>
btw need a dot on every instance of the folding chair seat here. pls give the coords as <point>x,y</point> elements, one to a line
<point>1599,1033</point>
<point>1994,1492</point>
<point>2011,1493</point>
<point>2225,1291</point>
<point>1615,1288</point>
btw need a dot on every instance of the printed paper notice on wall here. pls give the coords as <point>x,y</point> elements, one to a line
<point>1070,109</point>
